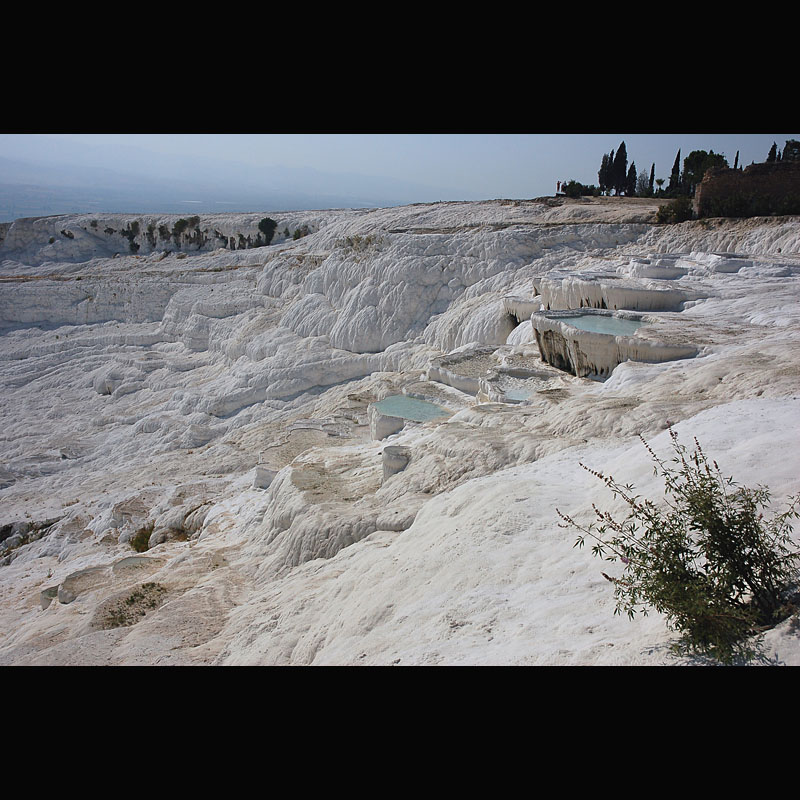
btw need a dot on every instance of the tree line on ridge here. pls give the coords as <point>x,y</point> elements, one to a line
<point>616,177</point>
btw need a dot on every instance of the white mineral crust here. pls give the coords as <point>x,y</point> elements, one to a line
<point>188,474</point>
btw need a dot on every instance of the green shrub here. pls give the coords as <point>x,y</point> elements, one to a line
<point>576,189</point>
<point>267,227</point>
<point>140,541</point>
<point>300,232</point>
<point>131,608</point>
<point>130,233</point>
<point>710,562</point>
<point>179,227</point>
<point>677,210</point>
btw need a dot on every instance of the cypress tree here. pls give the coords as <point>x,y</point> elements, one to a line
<point>602,175</point>
<point>773,153</point>
<point>620,169</point>
<point>652,178</point>
<point>675,176</point>
<point>630,181</point>
<point>736,160</point>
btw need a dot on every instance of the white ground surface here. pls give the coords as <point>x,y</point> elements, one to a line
<point>140,392</point>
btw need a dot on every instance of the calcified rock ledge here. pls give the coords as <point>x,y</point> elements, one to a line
<point>609,291</point>
<point>187,470</point>
<point>589,353</point>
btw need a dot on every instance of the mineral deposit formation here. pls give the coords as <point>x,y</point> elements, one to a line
<point>347,447</point>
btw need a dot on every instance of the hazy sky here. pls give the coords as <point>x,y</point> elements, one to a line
<point>464,166</point>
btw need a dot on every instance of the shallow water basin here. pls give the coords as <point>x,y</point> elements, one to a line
<point>412,408</point>
<point>600,323</point>
<point>518,395</point>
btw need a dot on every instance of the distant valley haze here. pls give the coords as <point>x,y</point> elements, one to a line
<point>41,176</point>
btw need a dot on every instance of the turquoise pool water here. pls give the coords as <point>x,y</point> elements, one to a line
<point>400,405</point>
<point>598,323</point>
<point>518,394</point>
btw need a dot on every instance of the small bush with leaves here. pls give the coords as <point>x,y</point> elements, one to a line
<point>574,189</point>
<point>678,210</point>
<point>179,227</point>
<point>719,571</point>
<point>140,541</point>
<point>267,227</point>
<point>300,232</point>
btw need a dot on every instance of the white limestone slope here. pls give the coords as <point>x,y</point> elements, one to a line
<point>213,406</point>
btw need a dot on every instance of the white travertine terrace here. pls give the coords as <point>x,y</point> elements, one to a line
<point>588,353</point>
<point>211,407</point>
<point>383,425</point>
<point>562,291</point>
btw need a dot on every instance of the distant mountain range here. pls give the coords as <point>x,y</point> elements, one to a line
<point>44,177</point>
